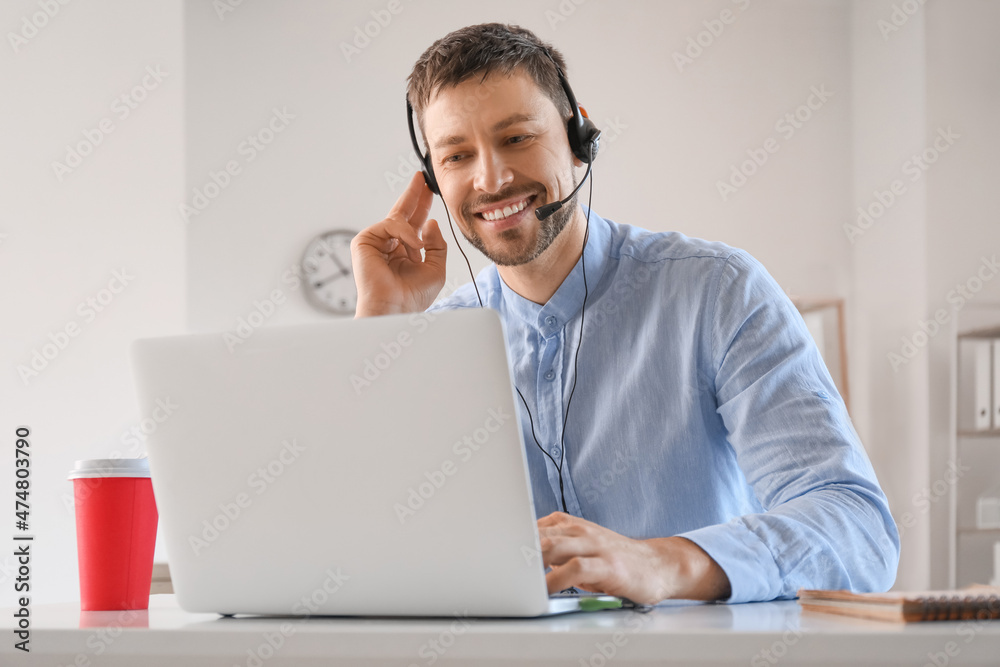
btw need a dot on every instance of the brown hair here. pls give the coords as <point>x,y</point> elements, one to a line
<point>486,49</point>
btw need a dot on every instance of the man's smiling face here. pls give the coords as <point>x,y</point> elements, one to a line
<point>500,150</point>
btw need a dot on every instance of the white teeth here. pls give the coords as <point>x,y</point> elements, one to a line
<point>507,211</point>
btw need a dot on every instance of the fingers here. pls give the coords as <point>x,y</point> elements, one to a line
<point>399,229</point>
<point>576,551</point>
<point>390,272</point>
<point>415,202</point>
<point>384,245</point>
<point>555,518</point>
<point>435,248</point>
<point>375,244</point>
<point>404,222</point>
<point>560,523</point>
<point>384,238</point>
<point>424,202</point>
<point>584,572</point>
<point>560,550</point>
<point>563,537</point>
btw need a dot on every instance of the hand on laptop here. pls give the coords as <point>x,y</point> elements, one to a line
<point>588,556</point>
<point>388,269</point>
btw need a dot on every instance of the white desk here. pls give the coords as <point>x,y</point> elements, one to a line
<point>696,634</point>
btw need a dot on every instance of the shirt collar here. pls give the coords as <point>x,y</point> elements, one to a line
<point>567,301</point>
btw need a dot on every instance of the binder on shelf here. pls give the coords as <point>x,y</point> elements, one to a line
<point>996,565</point>
<point>983,353</point>
<point>988,509</point>
<point>996,384</point>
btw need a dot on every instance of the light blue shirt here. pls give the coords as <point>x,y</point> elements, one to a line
<point>703,409</point>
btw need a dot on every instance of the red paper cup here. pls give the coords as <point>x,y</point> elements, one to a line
<point>115,532</point>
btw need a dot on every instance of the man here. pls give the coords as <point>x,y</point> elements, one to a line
<point>707,454</point>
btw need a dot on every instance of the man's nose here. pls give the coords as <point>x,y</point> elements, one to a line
<point>492,173</point>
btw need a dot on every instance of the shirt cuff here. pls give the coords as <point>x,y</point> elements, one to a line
<point>753,573</point>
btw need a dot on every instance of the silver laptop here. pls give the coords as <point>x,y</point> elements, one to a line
<point>356,467</point>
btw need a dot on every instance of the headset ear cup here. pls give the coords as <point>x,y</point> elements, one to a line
<point>584,138</point>
<point>592,139</point>
<point>429,177</point>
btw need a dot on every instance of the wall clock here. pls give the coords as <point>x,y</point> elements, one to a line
<point>327,274</point>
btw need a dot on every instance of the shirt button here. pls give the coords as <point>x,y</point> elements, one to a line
<point>551,321</point>
<point>550,375</point>
<point>555,452</point>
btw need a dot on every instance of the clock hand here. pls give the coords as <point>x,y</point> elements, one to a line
<point>344,270</point>
<point>319,283</point>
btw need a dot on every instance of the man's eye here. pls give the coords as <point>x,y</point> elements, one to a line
<point>453,158</point>
<point>518,139</point>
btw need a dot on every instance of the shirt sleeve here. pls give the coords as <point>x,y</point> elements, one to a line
<point>826,522</point>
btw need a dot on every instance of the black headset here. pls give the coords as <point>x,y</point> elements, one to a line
<point>584,136</point>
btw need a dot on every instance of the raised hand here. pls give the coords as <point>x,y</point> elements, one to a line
<point>391,275</point>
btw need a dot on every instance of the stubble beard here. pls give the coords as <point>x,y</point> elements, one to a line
<point>516,248</point>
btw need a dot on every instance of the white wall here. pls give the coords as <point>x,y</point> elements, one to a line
<point>61,241</point>
<point>890,272</point>
<point>675,134</point>
<point>671,134</point>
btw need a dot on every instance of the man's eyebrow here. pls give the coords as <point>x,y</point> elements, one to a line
<point>498,127</point>
<point>513,120</point>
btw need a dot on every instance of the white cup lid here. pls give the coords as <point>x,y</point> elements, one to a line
<point>110,468</point>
